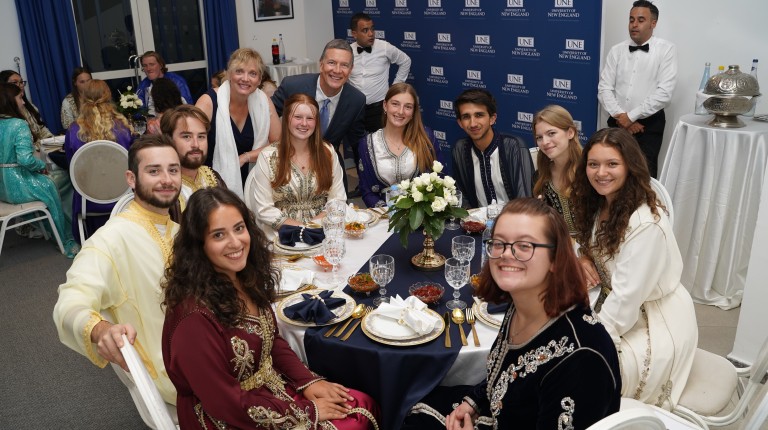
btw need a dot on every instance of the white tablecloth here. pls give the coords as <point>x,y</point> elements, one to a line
<point>715,177</point>
<point>470,366</point>
<point>295,67</point>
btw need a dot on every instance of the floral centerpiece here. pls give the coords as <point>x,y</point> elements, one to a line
<point>130,104</point>
<point>425,202</point>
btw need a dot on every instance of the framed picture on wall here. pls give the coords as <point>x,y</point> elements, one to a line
<point>269,10</point>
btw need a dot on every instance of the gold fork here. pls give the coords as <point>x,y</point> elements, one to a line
<point>291,258</point>
<point>368,309</point>
<point>470,313</point>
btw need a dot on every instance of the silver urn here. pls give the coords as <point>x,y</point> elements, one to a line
<point>731,93</point>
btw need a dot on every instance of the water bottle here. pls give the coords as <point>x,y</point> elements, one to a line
<point>486,236</point>
<point>753,72</point>
<point>275,52</point>
<point>282,49</point>
<point>700,96</point>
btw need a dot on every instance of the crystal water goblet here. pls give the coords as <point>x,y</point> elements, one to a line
<point>463,248</point>
<point>456,274</point>
<point>453,225</point>
<point>334,249</point>
<point>382,268</point>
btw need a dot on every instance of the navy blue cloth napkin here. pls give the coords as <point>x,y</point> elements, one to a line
<point>497,308</point>
<point>290,234</point>
<point>315,308</point>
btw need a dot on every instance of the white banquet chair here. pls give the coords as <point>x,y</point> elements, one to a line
<point>10,211</point>
<point>663,195</point>
<point>122,204</point>
<point>629,419</point>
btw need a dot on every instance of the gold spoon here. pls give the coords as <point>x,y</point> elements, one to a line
<point>357,312</point>
<point>457,316</point>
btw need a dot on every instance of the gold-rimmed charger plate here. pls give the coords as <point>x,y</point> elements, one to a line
<point>402,340</point>
<point>342,312</point>
<point>366,217</point>
<point>302,248</point>
<point>492,320</point>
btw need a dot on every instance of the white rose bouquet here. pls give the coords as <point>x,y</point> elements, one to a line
<point>426,201</point>
<point>130,104</point>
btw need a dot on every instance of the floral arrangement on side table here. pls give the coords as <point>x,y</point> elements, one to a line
<point>130,104</point>
<point>426,201</point>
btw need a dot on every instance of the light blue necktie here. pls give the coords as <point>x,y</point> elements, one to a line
<point>325,115</point>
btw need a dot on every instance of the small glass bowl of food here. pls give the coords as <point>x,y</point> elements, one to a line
<point>320,260</point>
<point>472,225</point>
<point>428,292</point>
<point>474,280</point>
<point>355,229</point>
<point>362,283</point>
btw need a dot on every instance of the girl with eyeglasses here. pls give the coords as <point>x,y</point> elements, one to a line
<point>553,364</point>
<point>629,252</point>
<point>29,110</point>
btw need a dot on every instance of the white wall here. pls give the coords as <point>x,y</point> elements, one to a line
<point>303,36</point>
<point>9,34</point>
<point>704,31</point>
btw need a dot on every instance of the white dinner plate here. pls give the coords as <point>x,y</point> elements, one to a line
<point>389,332</point>
<point>493,320</point>
<point>366,217</point>
<point>342,312</point>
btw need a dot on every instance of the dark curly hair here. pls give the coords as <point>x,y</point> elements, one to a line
<point>191,274</point>
<point>566,285</point>
<point>636,191</point>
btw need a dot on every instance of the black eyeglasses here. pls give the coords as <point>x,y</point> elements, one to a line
<point>18,83</point>
<point>522,250</point>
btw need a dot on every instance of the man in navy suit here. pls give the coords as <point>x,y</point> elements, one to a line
<point>344,110</point>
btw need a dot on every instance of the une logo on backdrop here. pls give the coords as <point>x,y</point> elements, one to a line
<point>444,37</point>
<point>561,84</point>
<point>525,42</point>
<point>563,3</point>
<point>370,3</point>
<point>482,39</point>
<point>409,35</point>
<point>401,3</point>
<point>515,3</point>
<point>439,134</point>
<point>514,79</point>
<point>446,104</point>
<point>437,71</point>
<point>525,116</point>
<point>343,3</point>
<point>575,44</point>
<point>475,75</point>
<point>471,3</point>
<point>380,34</point>
<point>434,3</point>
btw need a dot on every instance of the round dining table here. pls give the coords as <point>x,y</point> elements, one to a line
<point>395,376</point>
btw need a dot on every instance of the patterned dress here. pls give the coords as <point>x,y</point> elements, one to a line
<point>242,377</point>
<point>565,377</point>
<point>21,180</point>
<point>561,203</point>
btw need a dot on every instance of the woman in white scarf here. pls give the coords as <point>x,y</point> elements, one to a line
<point>238,102</point>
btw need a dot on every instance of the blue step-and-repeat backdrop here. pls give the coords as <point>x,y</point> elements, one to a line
<point>527,53</point>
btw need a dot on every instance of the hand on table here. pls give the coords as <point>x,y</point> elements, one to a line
<point>461,418</point>
<point>590,271</point>
<point>108,338</point>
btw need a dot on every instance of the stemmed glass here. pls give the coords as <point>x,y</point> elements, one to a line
<point>336,210</point>
<point>140,126</point>
<point>463,247</point>
<point>456,274</point>
<point>382,269</point>
<point>453,225</point>
<point>333,251</point>
<point>332,228</point>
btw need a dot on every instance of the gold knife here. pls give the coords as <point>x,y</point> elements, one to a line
<point>355,325</point>
<point>447,317</point>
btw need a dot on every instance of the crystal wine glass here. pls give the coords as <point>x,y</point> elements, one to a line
<point>140,126</point>
<point>336,210</point>
<point>453,225</point>
<point>333,251</point>
<point>332,228</point>
<point>456,274</point>
<point>463,247</point>
<point>382,269</point>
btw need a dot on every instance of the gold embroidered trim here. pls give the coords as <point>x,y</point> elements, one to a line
<point>270,419</point>
<point>149,221</point>
<point>93,355</point>
<point>205,178</point>
<point>364,412</point>
<point>565,420</point>
<point>647,359</point>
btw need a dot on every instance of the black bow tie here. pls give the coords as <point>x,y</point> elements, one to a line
<point>631,48</point>
<point>367,49</point>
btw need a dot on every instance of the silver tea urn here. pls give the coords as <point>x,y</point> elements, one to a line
<point>731,93</point>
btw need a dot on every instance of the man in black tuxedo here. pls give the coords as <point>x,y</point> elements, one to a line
<point>342,106</point>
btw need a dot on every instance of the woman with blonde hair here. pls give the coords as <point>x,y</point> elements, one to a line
<point>402,149</point>
<point>98,120</point>
<point>557,137</point>
<point>243,119</point>
<point>295,177</point>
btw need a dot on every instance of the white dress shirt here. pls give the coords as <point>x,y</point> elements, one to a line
<point>638,83</point>
<point>495,177</point>
<point>370,73</point>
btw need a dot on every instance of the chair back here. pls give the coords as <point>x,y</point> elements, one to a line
<point>154,403</point>
<point>635,418</point>
<point>663,196</point>
<point>97,171</point>
<point>534,157</point>
<point>122,204</point>
<point>757,415</point>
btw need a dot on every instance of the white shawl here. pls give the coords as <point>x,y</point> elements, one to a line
<point>225,156</point>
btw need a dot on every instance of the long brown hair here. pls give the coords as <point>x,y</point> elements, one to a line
<point>636,191</point>
<point>191,274</point>
<point>414,136</point>
<point>75,92</point>
<point>98,114</point>
<point>557,116</point>
<point>8,106</point>
<point>566,285</point>
<point>321,158</point>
